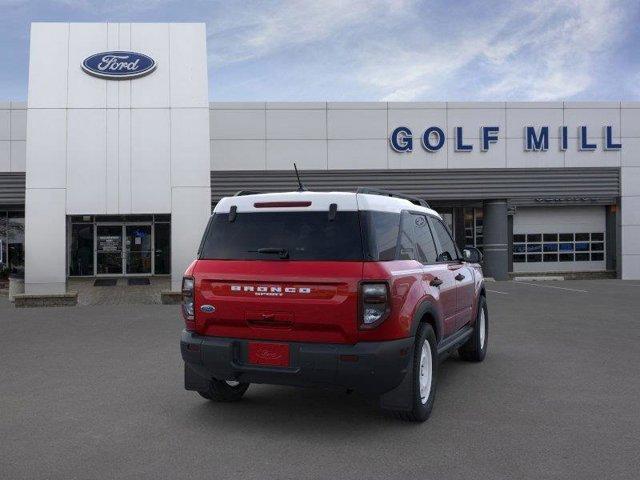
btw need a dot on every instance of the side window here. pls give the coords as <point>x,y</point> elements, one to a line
<point>424,240</point>
<point>447,250</point>
<point>381,234</point>
<point>406,240</point>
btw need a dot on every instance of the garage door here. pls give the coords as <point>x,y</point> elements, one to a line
<point>559,239</point>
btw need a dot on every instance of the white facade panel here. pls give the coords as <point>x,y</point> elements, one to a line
<point>630,182</point>
<point>517,157</point>
<point>191,209</point>
<point>296,124</point>
<point>494,157</point>
<point>630,154</point>
<point>354,154</point>
<point>190,165</point>
<point>309,154</point>
<point>630,121</point>
<point>124,161</point>
<point>47,148</point>
<point>111,161</point>
<point>85,91</point>
<point>18,156</point>
<point>471,119</point>
<point>598,158</point>
<point>5,124</point>
<point>356,124</point>
<point>18,124</point>
<point>5,156</point>
<point>592,118</point>
<point>238,155</point>
<point>150,160</point>
<point>519,118</point>
<point>124,86</point>
<point>418,158</point>
<point>238,124</point>
<point>45,241</point>
<point>48,62</point>
<point>188,54</point>
<point>152,91</point>
<point>86,161</point>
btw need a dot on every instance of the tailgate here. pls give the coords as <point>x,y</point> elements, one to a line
<point>304,301</point>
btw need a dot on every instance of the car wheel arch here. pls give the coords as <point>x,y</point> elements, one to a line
<point>427,312</point>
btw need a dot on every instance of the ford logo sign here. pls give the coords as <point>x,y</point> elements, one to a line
<point>208,308</point>
<point>118,65</point>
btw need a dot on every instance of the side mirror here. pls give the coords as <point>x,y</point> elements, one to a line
<point>472,255</point>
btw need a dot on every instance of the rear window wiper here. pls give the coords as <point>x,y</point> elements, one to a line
<point>281,252</point>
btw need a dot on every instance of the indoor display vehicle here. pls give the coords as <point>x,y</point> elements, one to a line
<point>362,290</point>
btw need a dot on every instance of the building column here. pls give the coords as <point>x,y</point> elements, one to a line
<point>495,233</point>
<point>45,241</point>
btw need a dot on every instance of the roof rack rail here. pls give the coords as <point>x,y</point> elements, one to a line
<point>387,193</point>
<point>241,193</point>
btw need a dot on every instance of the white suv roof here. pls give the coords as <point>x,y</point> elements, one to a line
<point>318,201</point>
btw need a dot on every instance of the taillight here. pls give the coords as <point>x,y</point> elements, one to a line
<point>374,304</point>
<point>187,300</point>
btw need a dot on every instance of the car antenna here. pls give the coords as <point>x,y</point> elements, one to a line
<point>301,187</point>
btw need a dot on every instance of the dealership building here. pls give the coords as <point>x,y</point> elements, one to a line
<point>112,165</point>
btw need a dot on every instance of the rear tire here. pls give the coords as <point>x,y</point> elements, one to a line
<point>475,349</point>
<point>425,368</point>
<point>224,391</point>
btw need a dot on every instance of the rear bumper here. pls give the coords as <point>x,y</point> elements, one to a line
<point>368,367</point>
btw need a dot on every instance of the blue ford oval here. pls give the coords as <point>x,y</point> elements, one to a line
<point>118,65</point>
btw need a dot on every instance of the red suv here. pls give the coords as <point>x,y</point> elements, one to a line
<point>365,291</point>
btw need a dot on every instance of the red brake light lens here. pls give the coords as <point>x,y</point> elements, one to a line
<point>187,299</point>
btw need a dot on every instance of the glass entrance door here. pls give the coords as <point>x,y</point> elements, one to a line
<point>109,249</point>
<point>139,250</point>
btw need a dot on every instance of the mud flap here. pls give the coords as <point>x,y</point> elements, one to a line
<point>401,397</point>
<point>194,381</point>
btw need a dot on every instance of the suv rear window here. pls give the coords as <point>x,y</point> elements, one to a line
<point>303,235</point>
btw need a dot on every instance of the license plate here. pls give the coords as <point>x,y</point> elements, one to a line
<point>271,354</point>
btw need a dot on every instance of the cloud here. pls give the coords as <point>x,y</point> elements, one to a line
<point>263,28</point>
<point>548,50</point>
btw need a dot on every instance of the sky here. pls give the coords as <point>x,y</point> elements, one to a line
<point>377,50</point>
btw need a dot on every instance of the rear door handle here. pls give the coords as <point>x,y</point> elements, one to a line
<point>459,277</point>
<point>435,282</point>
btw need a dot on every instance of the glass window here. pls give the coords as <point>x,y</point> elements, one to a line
<point>406,240</point>
<point>519,248</point>
<point>15,242</point>
<point>550,247</point>
<point>597,257</point>
<point>382,230</point>
<point>550,257</point>
<point>582,247</point>
<point>534,237</point>
<point>597,247</point>
<point>534,258</point>
<point>424,240</point>
<point>81,251</point>
<point>597,237</point>
<point>303,235</point>
<point>566,237</point>
<point>550,237</point>
<point>566,257</point>
<point>446,249</point>
<point>519,238</point>
<point>582,257</point>
<point>162,248</point>
<point>534,247</point>
<point>519,258</point>
<point>581,237</point>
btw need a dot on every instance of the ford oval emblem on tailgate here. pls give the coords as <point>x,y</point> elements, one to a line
<point>208,308</point>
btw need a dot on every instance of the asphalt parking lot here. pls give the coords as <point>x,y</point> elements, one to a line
<point>96,392</point>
